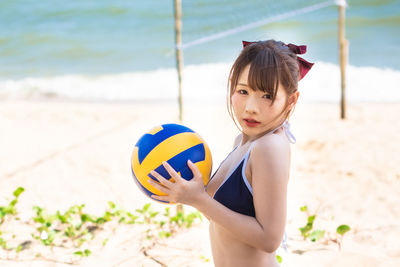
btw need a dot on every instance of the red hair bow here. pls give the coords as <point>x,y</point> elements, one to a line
<point>304,65</point>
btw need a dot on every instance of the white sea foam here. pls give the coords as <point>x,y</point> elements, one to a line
<point>204,82</point>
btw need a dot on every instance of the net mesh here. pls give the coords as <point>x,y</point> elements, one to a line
<point>228,17</point>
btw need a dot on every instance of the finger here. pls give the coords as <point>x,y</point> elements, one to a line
<point>195,170</point>
<point>162,198</point>
<point>171,171</point>
<point>159,186</point>
<point>161,179</point>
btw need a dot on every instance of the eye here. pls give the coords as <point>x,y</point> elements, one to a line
<point>242,91</point>
<point>267,96</point>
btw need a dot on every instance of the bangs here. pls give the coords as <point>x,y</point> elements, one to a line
<point>265,74</point>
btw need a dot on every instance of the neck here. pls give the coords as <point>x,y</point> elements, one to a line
<point>248,138</point>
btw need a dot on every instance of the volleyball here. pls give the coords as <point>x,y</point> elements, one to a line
<point>175,144</point>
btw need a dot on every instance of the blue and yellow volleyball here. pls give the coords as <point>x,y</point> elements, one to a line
<point>175,144</point>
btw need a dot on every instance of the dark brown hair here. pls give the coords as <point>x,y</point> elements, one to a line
<point>271,62</point>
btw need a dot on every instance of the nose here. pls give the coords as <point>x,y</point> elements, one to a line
<point>251,105</point>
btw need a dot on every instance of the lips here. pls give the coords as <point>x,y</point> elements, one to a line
<point>251,122</point>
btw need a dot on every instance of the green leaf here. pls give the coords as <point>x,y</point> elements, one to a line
<point>38,210</point>
<point>305,229</point>
<point>107,216</point>
<point>2,212</point>
<point>111,204</point>
<point>78,226</point>
<point>81,241</point>
<point>167,213</point>
<point>146,207</point>
<point>132,217</point>
<point>3,243</point>
<point>62,218</point>
<point>87,252</point>
<point>39,220</point>
<point>118,212</point>
<point>13,202</point>
<point>79,253</point>
<point>316,235</point>
<point>303,208</point>
<point>47,242</point>
<point>204,258</point>
<point>153,214</point>
<point>18,191</point>
<point>279,259</point>
<point>69,232</point>
<point>84,253</point>
<point>189,219</point>
<point>163,234</point>
<point>139,211</point>
<point>86,218</point>
<point>342,229</point>
<point>100,220</point>
<point>311,219</point>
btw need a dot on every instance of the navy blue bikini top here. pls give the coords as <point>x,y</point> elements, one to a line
<point>235,192</point>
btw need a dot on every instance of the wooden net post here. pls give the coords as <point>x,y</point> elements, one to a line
<point>178,52</point>
<point>179,63</point>
<point>343,55</point>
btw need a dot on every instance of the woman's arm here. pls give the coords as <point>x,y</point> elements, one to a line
<point>270,165</point>
<point>270,169</point>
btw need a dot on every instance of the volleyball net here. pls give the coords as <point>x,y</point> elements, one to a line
<point>232,16</point>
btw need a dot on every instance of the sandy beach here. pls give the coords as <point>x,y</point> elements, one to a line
<point>65,153</point>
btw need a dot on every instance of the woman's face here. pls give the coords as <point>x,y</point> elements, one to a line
<point>253,109</point>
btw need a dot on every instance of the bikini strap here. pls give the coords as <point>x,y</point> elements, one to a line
<point>289,135</point>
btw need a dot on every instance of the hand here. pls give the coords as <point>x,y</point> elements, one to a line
<point>180,191</point>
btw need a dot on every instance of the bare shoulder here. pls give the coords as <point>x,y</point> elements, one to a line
<point>271,153</point>
<point>272,144</point>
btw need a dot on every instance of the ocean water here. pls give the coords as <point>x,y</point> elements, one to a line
<point>124,50</point>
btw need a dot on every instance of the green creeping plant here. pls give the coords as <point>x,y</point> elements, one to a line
<point>10,209</point>
<point>74,227</point>
<point>84,253</point>
<point>317,234</point>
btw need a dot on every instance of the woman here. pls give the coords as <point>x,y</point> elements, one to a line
<point>245,200</point>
